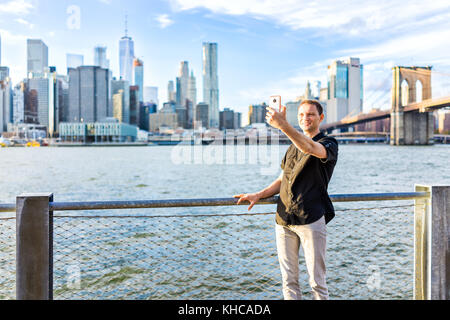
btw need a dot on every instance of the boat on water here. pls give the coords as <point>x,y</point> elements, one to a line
<point>33,144</point>
<point>170,141</point>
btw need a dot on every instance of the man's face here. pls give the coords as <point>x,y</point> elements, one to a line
<point>309,118</point>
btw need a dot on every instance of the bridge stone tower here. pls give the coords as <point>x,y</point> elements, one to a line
<point>414,127</point>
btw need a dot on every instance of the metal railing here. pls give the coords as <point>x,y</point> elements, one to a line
<point>183,247</point>
<point>142,204</point>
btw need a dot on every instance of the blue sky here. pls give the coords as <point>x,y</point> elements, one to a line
<point>265,47</point>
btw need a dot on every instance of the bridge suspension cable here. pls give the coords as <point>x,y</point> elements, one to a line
<point>377,93</point>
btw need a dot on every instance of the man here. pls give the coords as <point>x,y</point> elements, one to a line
<point>304,207</point>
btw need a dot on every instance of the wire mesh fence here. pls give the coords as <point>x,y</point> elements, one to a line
<point>217,256</point>
<point>7,257</point>
<point>227,256</point>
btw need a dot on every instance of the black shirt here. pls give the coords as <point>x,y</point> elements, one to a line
<point>303,193</point>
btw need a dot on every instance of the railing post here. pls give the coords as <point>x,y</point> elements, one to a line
<point>34,247</point>
<point>432,244</point>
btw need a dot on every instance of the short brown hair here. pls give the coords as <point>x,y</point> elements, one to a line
<point>314,103</point>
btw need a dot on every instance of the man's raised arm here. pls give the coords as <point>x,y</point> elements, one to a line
<point>304,143</point>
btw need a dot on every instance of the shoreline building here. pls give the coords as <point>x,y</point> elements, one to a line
<point>257,113</point>
<point>138,67</point>
<point>100,59</point>
<point>192,89</point>
<point>37,57</point>
<point>42,87</point>
<point>45,93</point>
<point>201,119</point>
<point>120,90</point>
<point>192,97</point>
<point>6,102</point>
<point>134,105</point>
<point>171,94</point>
<point>74,61</point>
<point>88,94</point>
<point>229,119</point>
<point>182,83</point>
<point>19,103</point>
<point>151,95</point>
<point>211,82</point>
<point>145,110</point>
<point>160,120</point>
<point>345,89</point>
<point>126,56</point>
<point>109,130</point>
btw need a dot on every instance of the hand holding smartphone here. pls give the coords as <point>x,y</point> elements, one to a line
<point>275,103</point>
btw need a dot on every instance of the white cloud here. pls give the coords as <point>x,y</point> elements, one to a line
<point>12,38</point>
<point>345,17</point>
<point>164,21</point>
<point>17,7</point>
<point>394,33</point>
<point>419,45</point>
<point>24,22</point>
<point>14,43</point>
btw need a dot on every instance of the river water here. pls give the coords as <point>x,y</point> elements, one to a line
<point>137,256</point>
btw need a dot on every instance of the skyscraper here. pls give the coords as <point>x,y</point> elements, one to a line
<point>123,102</point>
<point>63,98</point>
<point>201,116</point>
<point>345,89</point>
<point>19,103</point>
<point>191,100</point>
<point>171,91</point>
<point>211,82</point>
<point>43,88</point>
<point>30,104</point>
<point>257,113</point>
<point>134,105</point>
<point>37,56</point>
<point>308,93</point>
<point>182,83</point>
<point>151,95</point>
<point>192,89</point>
<point>126,56</point>
<point>74,60</point>
<point>100,59</point>
<point>178,91</point>
<point>139,77</point>
<point>4,73</point>
<point>5,104</point>
<point>88,94</point>
<point>315,89</point>
<point>227,120</point>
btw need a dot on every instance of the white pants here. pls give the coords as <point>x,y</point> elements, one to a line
<point>313,238</point>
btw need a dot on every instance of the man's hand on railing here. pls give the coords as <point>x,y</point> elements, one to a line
<point>253,198</point>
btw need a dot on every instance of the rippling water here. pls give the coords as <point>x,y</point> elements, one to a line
<point>369,251</point>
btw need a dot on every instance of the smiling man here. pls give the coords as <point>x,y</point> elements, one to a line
<point>304,207</point>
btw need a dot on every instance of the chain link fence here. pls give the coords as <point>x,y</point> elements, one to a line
<point>217,256</point>
<point>226,256</point>
<point>7,256</point>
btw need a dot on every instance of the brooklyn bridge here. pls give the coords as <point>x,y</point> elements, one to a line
<point>410,113</point>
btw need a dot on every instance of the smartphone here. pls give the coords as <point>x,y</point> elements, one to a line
<point>275,103</point>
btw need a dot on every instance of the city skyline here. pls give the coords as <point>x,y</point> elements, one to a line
<point>260,54</point>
